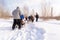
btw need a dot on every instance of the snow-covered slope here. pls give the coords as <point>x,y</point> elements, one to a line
<point>41,30</point>
<point>27,32</point>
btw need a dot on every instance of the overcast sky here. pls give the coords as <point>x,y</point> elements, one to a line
<point>32,4</point>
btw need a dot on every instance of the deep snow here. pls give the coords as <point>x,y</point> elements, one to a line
<point>41,30</point>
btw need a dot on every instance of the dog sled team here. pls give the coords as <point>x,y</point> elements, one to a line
<point>18,18</point>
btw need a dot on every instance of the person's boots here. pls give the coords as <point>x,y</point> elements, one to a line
<point>36,19</point>
<point>19,27</point>
<point>13,28</point>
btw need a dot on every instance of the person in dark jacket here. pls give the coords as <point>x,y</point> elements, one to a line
<point>37,16</point>
<point>31,18</point>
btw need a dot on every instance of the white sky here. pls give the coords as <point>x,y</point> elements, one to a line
<point>32,4</point>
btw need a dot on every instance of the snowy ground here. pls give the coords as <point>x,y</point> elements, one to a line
<point>41,30</point>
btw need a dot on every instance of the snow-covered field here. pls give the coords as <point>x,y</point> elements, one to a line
<point>41,30</point>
